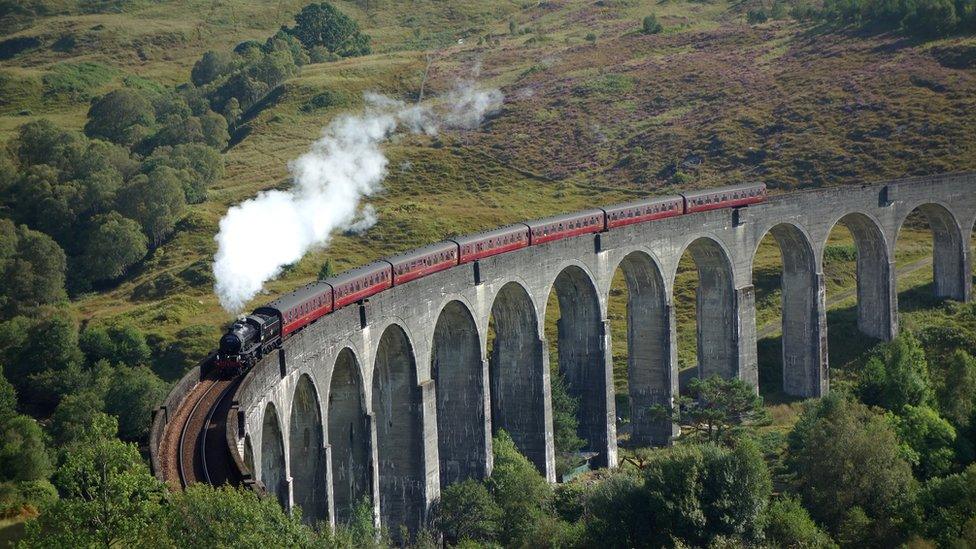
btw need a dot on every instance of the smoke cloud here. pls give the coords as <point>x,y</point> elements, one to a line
<point>260,236</point>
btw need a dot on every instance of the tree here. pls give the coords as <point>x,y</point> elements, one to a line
<point>199,166</point>
<point>946,504</point>
<point>203,516</point>
<point>112,245</point>
<point>212,66</point>
<point>8,399</point>
<point>117,344</point>
<point>108,495</point>
<point>699,493</point>
<point>519,490</point>
<point>616,512</point>
<point>827,451</point>
<point>214,128</point>
<point>73,415</point>
<point>47,364</point>
<point>716,409</point>
<point>957,396</point>
<point>131,397</point>
<point>789,525</point>
<point>896,375</point>
<point>122,116</point>
<point>32,269</point>
<point>156,201</point>
<point>327,270</point>
<point>466,511</point>
<point>651,25</point>
<point>565,425</point>
<point>23,455</point>
<point>930,18</point>
<point>324,25</point>
<point>930,438</point>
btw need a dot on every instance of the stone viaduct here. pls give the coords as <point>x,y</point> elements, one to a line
<point>397,397</point>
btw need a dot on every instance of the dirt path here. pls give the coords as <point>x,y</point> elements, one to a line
<point>772,328</point>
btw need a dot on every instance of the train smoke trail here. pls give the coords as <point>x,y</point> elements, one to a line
<point>276,228</point>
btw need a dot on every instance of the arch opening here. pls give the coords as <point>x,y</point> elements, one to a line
<point>397,407</point>
<point>789,297</point>
<point>704,297</point>
<point>518,377</point>
<point>647,359</point>
<point>349,436</point>
<point>930,235</point>
<point>273,473</point>
<point>459,375</point>
<point>580,376</point>
<point>306,453</point>
<point>877,315</point>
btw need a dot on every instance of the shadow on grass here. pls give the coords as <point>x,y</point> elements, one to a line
<point>918,298</point>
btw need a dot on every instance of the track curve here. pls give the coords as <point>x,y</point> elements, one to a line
<point>193,445</point>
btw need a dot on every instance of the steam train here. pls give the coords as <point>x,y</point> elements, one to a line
<point>253,336</point>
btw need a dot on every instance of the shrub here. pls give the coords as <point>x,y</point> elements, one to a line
<point>789,525</point>
<point>466,511</point>
<point>519,490</point>
<point>324,25</point>
<point>120,116</point>
<point>650,25</point>
<point>756,17</point>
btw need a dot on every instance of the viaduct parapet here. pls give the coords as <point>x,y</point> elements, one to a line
<point>393,399</point>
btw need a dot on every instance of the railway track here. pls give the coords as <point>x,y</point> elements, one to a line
<point>194,445</point>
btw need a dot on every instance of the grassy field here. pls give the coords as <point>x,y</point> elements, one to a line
<point>595,112</point>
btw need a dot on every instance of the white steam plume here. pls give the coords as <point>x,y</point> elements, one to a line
<point>276,228</point>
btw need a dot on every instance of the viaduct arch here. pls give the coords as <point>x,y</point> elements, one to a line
<point>411,384</point>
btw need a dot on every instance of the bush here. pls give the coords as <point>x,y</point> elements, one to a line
<point>32,269</point>
<point>896,375</point>
<point>617,512</point>
<point>756,17</point>
<point>519,490</point>
<point>325,100</point>
<point>324,25</point>
<point>946,504</point>
<point>112,245</point>
<point>650,25</point>
<point>827,451</point>
<point>699,493</point>
<point>466,511</point>
<point>212,66</point>
<point>930,438</point>
<point>789,525</point>
<point>122,116</point>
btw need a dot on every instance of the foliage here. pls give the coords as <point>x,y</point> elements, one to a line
<point>930,438</point>
<point>716,409</point>
<point>698,493</point>
<point>8,399</point>
<point>327,270</point>
<point>789,525</point>
<point>828,449</point>
<point>112,245</point>
<point>118,344</point>
<point>123,116</point>
<point>957,396</point>
<point>756,17</point>
<point>108,495</point>
<point>324,25</point>
<point>519,490</point>
<point>897,375</point>
<point>23,455</point>
<point>616,512</point>
<point>466,511</point>
<point>204,516</point>
<point>565,425</point>
<point>650,25</point>
<point>32,270</point>
<point>198,166</point>
<point>946,504</point>
<point>212,66</point>
<point>923,18</point>
<point>156,201</point>
<point>133,394</point>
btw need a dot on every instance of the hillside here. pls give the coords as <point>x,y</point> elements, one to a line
<point>595,112</point>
